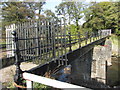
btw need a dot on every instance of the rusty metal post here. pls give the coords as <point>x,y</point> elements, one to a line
<point>18,75</point>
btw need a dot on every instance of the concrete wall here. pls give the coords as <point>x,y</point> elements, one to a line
<point>90,69</point>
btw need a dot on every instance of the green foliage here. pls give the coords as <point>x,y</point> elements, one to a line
<point>73,29</point>
<point>115,40</point>
<point>49,14</point>
<point>117,32</point>
<point>13,12</point>
<point>102,15</point>
<point>36,6</point>
<point>41,86</point>
<point>72,11</point>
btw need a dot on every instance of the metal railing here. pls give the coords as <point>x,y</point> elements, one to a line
<point>40,41</point>
<point>43,40</point>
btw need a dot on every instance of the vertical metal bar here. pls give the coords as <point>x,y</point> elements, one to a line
<point>79,39</point>
<point>37,38</point>
<point>18,74</point>
<point>70,47</point>
<point>58,29</point>
<point>29,40</point>
<point>86,37</point>
<point>46,43</point>
<point>25,37</point>
<point>62,44</point>
<point>34,50</point>
<point>21,41</point>
<point>65,43</point>
<point>90,37</point>
<point>43,37</point>
<point>53,39</point>
<point>48,39</point>
<point>34,41</point>
<point>50,28</point>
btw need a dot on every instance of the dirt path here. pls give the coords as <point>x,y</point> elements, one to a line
<point>6,74</point>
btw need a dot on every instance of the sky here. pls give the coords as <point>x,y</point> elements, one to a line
<point>50,4</point>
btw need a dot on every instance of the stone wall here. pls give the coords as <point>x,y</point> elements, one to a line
<point>90,69</point>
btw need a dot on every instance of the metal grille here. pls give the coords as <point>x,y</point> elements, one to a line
<point>43,40</point>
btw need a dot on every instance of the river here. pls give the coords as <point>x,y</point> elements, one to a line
<point>113,72</point>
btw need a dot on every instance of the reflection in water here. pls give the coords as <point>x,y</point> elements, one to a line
<point>113,72</point>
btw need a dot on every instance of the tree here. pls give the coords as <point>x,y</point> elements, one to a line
<point>15,11</point>
<point>71,11</point>
<point>77,10</point>
<point>49,14</point>
<point>102,15</point>
<point>36,6</point>
<point>64,9</point>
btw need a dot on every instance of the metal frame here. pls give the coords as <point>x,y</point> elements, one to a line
<point>42,41</point>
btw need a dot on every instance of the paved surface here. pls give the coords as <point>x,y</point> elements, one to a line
<point>6,74</point>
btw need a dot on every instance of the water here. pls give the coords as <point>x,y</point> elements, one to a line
<point>113,73</point>
<point>63,74</point>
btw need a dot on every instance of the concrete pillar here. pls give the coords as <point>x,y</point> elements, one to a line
<point>90,69</point>
<point>108,45</point>
<point>101,54</point>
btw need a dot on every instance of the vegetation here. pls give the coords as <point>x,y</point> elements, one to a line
<point>97,15</point>
<point>13,12</point>
<point>49,14</point>
<point>73,10</point>
<point>102,15</point>
<point>41,86</point>
<point>115,44</point>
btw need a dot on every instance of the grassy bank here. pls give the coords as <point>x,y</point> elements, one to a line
<point>115,44</point>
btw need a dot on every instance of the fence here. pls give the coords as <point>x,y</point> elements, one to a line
<point>41,41</point>
<point>44,40</point>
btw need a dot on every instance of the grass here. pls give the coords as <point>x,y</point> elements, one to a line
<point>8,84</point>
<point>83,43</point>
<point>41,86</point>
<point>115,44</point>
<point>2,42</point>
<point>115,39</point>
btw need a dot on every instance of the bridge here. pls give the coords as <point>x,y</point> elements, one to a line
<point>51,45</point>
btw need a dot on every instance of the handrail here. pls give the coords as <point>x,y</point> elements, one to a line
<point>48,81</point>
